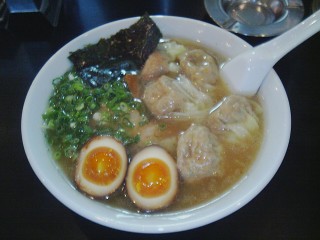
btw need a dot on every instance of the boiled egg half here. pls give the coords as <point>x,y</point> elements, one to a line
<point>101,166</point>
<point>152,178</point>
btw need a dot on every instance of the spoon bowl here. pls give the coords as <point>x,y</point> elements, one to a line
<point>245,73</point>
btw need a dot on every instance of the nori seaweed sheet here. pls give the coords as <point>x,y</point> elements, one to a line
<point>135,44</point>
<point>97,75</point>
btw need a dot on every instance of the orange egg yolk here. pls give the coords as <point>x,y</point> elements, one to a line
<point>102,165</point>
<point>151,178</point>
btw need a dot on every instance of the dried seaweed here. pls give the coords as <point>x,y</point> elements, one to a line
<point>98,75</point>
<point>135,44</point>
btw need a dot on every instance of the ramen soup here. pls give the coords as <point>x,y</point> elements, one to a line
<point>164,136</point>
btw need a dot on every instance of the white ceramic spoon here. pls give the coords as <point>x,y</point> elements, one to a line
<point>245,72</point>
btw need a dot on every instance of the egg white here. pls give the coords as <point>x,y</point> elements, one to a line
<point>152,203</point>
<point>94,189</point>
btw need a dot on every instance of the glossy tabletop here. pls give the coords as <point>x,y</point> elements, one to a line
<point>288,208</point>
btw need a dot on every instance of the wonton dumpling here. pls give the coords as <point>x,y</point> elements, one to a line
<point>160,97</point>
<point>172,49</point>
<point>156,65</point>
<point>166,97</point>
<point>200,68</point>
<point>198,153</point>
<point>236,117</point>
<point>162,61</point>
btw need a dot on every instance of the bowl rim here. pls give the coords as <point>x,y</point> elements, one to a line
<point>162,222</point>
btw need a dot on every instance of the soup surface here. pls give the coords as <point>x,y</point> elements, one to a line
<point>177,101</point>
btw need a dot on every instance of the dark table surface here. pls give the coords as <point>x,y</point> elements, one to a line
<point>288,208</point>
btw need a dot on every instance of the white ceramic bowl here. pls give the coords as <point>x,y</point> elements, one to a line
<point>277,133</point>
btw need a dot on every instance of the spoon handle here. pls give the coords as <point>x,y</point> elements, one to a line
<point>284,43</point>
<point>245,73</point>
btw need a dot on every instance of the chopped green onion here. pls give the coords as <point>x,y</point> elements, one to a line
<point>72,106</point>
<point>162,126</point>
<point>123,107</point>
<point>80,106</point>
